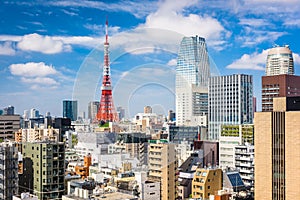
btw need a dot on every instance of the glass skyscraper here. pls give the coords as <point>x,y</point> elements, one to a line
<point>192,74</point>
<point>230,102</point>
<point>70,109</point>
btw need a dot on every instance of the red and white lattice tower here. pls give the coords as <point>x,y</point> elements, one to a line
<point>106,112</point>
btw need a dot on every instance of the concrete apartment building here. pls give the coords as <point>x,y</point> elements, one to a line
<point>244,163</point>
<point>37,134</point>
<point>163,167</point>
<point>43,169</point>
<point>8,125</point>
<point>206,182</point>
<point>8,170</point>
<point>230,137</point>
<point>277,151</point>
<point>148,190</point>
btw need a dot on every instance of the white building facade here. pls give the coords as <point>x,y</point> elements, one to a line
<point>230,102</point>
<point>280,61</point>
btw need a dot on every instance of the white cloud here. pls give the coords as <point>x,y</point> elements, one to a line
<point>6,49</point>
<point>172,62</point>
<point>296,58</point>
<point>170,16</point>
<point>133,49</point>
<point>163,29</point>
<point>254,22</point>
<point>137,8</point>
<point>32,69</point>
<point>69,12</point>
<point>78,40</point>
<point>41,76</point>
<point>10,38</point>
<point>44,44</point>
<point>292,22</point>
<point>254,61</point>
<point>253,37</point>
<point>40,80</point>
<point>48,44</point>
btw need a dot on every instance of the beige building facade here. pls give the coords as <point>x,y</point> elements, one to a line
<point>277,151</point>
<point>163,167</point>
<point>206,182</point>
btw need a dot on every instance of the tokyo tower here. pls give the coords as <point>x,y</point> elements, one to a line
<point>106,111</point>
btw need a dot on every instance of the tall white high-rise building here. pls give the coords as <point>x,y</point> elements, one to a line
<point>34,113</point>
<point>93,109</point>
<point>280,61</point>
<point>192,74</point>
<point>230,102</point>
<point>26,114</point>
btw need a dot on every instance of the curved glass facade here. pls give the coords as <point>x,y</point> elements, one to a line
<point>280,61</point>
<point>192,75</point>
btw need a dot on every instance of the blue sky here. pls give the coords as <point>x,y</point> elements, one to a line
<point>53,50</point>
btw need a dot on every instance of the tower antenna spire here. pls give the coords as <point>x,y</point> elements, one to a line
<point>106,31</point>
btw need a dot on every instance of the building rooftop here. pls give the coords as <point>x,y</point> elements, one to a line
<point>117,196</point>
<point>280,50</point>
<point>235,179</point>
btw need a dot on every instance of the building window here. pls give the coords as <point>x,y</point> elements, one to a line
<point>208,187</point>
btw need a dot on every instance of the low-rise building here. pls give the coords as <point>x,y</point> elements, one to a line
<point>145,189</point>
<point>232,181</point>
<point>25,196</point>
<point>230,137</point>
<point>186,173</point>
<point>81,188</point>
<point>94,143</point>
<point>244,163</point>
<point>206,182</point>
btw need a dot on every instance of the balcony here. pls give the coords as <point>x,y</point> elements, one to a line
<point>154,155</point>
<point>155,161</point>
<point>244,158</point>
<point>248,171</point>
<point>158,150</point>
<point>155,173</point>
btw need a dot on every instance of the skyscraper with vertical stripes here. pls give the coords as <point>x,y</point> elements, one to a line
<point>230,102</point>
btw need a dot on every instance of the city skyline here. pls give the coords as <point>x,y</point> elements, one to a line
<point>51,51</point>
